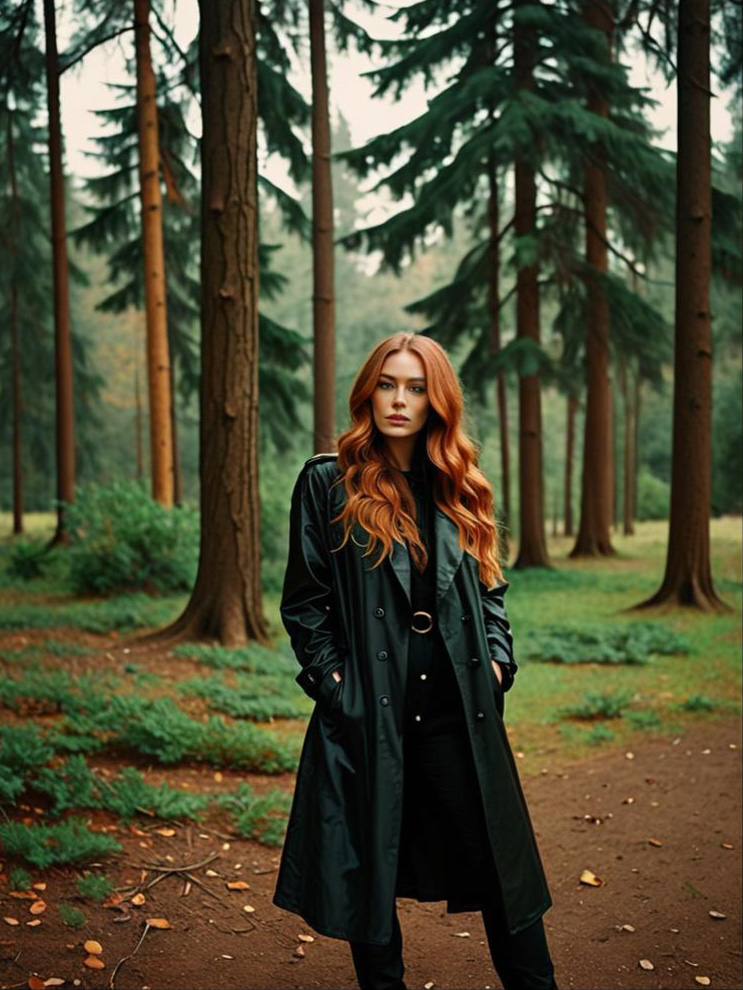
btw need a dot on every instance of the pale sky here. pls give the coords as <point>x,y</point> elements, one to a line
<point>84,90</point>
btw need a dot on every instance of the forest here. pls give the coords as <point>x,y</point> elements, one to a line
<point>210,213</point>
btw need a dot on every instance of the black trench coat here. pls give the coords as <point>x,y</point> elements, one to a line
<point>339,861</point>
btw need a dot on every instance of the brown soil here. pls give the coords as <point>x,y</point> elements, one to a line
<point>685,795</point>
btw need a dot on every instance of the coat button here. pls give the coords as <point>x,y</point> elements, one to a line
<point>466,617</point>
<point>481,715</point>
<point>475,662</point>
<point>384,700</point>
<point>382,655</point>
<point>379,611</point>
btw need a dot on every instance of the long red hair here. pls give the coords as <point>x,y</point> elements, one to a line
<point>379,498</point>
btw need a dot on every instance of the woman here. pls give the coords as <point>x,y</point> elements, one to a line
<point>393,601</point>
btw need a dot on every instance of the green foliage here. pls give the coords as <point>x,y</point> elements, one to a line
<point>19,879</point>
<point>259,698</point>
<point>254,659</point>
<point>599,734</point>
<point>698,703</point>
<point>632,643</point>
<point>653,496</point>
<point>261,818</point>
<point>160,730</point>
<point>73,917</point>
<point>123,613</point>
<point>122,540</point>
<point>596,704</point>
<point>53,845</point>
<point>52,690</point>
<point>94,887</point>
<point>27,559</point>
<point>648,719</point>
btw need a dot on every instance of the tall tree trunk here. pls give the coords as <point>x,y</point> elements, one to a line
<point>177,467</point>
<point>138,424</point>
<point>533,544</point>
<point>323,299</point>
<point>17,400</point>
<point>629,448</point>
<point>597,499</point>
<point>226,603</point>
<point>495,347</point>
<point>569,455</point>
<point>65,425</point>
<point>636,461</point>
<point>688,576</point>
<point>158,359</point>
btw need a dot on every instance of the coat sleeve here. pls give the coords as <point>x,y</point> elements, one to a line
<point>307,602</point>
<point>498,630</point>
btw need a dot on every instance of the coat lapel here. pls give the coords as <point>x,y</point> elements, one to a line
<point>448,556</point>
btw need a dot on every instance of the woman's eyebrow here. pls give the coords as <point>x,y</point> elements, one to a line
<point>415,378</point>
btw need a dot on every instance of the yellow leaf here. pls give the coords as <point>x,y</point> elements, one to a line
<point>39,886</point>
<point>12,921</point>
<point>646,964</point>
<point>704,980</point>
<point>37,907</point>
<point>93,948</point>
<point>655,842</point>
<point>54,981</point>
<point>299,951</point>
<point>167,832</point>
<point>591,879</point>
<point>158,923</point>
<point>306,938</point>
<point>238,885</point>
<point>717,915</point>
<point>34,923</point>
<point>138,900</point>
<point>249,908</point>
<point>94,962</point>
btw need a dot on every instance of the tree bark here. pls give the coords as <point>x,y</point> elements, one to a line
<point>323,298</point>
<point>688,577</point>
<point>629,449</point>
<point>226,603</point>
<point>158,359</point>
<point>65,420</point>
<point>569,455</point>
<point>533,544</point>
<point>16,387</point>
<point>597,497</point>
<point>495,347</point>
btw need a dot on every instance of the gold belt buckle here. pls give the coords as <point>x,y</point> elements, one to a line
<point>430,622</point>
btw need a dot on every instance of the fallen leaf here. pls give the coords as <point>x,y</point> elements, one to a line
<point>39,886</point>
<point>462,935</point>
<point>628,928</point>
<point>211,873</point>
<point>238,885</point>
<point>54,981</point>
<point>299,951</point>
<point>306,938</point>
<point>646,964</point>
<point>11,921</point>
<point>34,923</point>
<point>628,800</point>
<point>23,895</point>
<point>630,756</point>
<point>429,985</point>
<point>704,980</point>
<point>167,832</point>
<point>727,845</point>
<point>93,948</point>
<point>138,900</point>
<point>655,842</point>
<point>225,956</point>
<point>690,963</point>
<point>35,983</point>
<point>94,962</point>
<point>718,915</point>
<point>249,908</point>
<point>158,923</point>
<point>590,879</point>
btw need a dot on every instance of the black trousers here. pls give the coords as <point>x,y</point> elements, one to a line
<point>444,815</point>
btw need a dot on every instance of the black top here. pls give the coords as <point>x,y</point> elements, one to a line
<point>423,585</point>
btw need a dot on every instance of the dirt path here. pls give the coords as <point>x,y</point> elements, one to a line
<point>685,795</point>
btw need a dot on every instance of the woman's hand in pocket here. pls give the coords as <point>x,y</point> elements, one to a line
<point>498,672</point>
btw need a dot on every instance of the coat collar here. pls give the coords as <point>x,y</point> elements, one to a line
<point>448,556</point>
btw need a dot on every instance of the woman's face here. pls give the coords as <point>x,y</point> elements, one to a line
<point>401,391</point>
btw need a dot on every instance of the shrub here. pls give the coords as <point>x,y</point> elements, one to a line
<point>631,643</point>
<point>600,705</point>
<point>123,540</point>
<point>94,887</point>
<point>51,845</point>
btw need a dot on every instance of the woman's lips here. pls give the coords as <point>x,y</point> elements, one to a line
<point>399,420</point>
